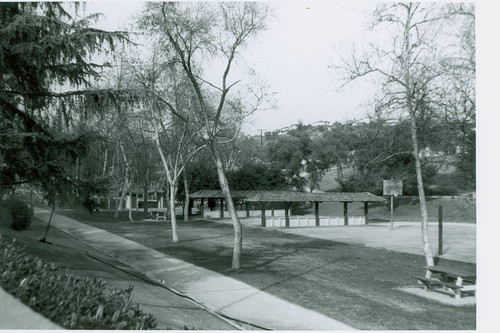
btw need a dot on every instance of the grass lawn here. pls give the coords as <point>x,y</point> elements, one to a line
<point>170,310</point>
<point>351,283</point>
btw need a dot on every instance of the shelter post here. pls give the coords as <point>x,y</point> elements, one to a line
<point>392,212</point>
<point>221,208</point>
<point>202,208</point>
<point>247,206</point>
<point>316,212</point>
<point>263,214</point>
<point>272,209</point>
<point>287,218</point>
<point>366,212</point>
<point>440,230</point>
<point>346,216</point>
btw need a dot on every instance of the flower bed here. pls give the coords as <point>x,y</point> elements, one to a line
<point>70,301</point>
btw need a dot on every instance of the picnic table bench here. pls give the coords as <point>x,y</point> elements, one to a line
<point>448,279</point>
<point>157,213</point>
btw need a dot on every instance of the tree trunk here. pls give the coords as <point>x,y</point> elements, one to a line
<point>122,199</point>
<point>186,202</point>
<point>238,235</point>
<point>105,162</point>
<point>409,90</point>
<point>145,202</point>
<point>126,183</point>
<point>119,206</point>
<point>77,168</point>
<point>117,202</point>
<point>130,209</point>
<point>31,200</point>
<point>340,171</point>
<point>173,218</point>
<point>421,194</point>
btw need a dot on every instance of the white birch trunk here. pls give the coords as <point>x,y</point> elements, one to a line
<point>130,218</point>
<point>238,234</point>
<point>173,218</point>
<point>409,87</point>
<point>186,202</point>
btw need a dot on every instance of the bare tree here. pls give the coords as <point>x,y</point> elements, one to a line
<point>196,33</point>
<point>175,136</point>
<point>409,58</point>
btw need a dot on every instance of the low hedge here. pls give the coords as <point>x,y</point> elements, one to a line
<point>70,301</point>
<point>20,213</point>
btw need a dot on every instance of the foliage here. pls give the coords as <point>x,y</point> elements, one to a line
<point>90,187</point>
<point>290,153</point>
<point>43,47</point>
<point>250,150</point>
<point>366,153</point>
<point>20,213</point>
<point>5,217</point>
<point>201,174</point>
<point>254,176</point>
<point>70,301</point>
<point>333,146</point>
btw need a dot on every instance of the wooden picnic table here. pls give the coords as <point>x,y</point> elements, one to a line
<point>456,281</point>
<point>156,213</point>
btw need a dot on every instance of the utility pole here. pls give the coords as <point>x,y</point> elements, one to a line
<point>260,137</point>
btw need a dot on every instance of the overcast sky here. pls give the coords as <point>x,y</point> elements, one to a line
<point>293,56</point>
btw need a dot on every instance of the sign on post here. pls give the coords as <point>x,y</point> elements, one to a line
<point>393,188</point>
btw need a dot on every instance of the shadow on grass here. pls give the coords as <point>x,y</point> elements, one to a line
<point>348,282</point>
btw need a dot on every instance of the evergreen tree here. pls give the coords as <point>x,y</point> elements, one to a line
<point>47,74</point>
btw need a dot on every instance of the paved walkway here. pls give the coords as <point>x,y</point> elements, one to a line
<point>215,291</point>
<point>14,315</point>
<point>459,239</point>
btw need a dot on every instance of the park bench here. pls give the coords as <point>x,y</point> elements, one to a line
<point>156,214</point>
<point>448,279</point>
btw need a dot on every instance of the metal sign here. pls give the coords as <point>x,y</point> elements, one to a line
<point>393,187</point>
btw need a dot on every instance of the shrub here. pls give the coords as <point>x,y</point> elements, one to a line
<point>20,213</point>
<point>5,217</point>
<point>92,206</point>
<point>70,301</point>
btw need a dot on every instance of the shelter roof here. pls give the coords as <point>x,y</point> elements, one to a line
<point>289,196</point>
<point>218,194</point>
<point>136,189</point>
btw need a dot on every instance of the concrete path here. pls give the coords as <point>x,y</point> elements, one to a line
<point>14,315</point>
<point>459,239</point>
<point>215,291</point>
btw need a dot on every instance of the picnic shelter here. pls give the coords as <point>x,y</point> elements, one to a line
<point>266,202</point>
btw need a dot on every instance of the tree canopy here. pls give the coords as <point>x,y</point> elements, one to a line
<point>47,69</point>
